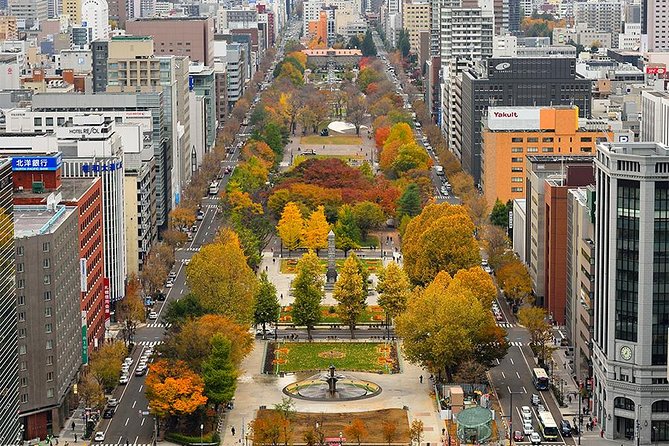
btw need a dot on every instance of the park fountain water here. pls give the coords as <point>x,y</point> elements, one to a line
<point>332,386</point>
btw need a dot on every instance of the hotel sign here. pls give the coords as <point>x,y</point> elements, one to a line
<point>514,118</point>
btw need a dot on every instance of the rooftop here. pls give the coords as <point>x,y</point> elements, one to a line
<point>72,189</point>
<point>30,221</point>
<point>636,148</point>
<point>559,159</point>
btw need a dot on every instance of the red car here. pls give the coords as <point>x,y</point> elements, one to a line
<point>518,436</point>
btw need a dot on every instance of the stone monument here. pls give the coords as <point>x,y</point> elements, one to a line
<point>331,273</point>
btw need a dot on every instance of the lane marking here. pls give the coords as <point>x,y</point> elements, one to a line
<point>140,388</point>
<point>127,421</point>
<point>518,375</point>
<point>511,359</point>
<point>134,403</point>
<point>503,375</point>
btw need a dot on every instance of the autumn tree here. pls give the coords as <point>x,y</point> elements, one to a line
<point>105,364</point>
<point>91,391</point>
<point>416,432</point>
<point>218,371</point>
<point>222,280</point>
<point>291,226</point>
<point>368,216</point>
<point>181,217</point>
<point>440,238</point>
<point>266,430</point>
<point>350,293</point>
<point>156,267</point>
<point>478,282</point>
<point>173,389</point>
<point>444,324</point>
<point>534,319</point>
<point>130,310</point>
<point>308,292</point>
<point>356,430</point>
<point>515,281</point>
<point>316,230</point>
<point>389,431</point>
<point>286,411</point>
<point>347,233</point>
<point>266,307</point>
<point>393,288</point>
<point>356,109</point>
<point>496,244</point>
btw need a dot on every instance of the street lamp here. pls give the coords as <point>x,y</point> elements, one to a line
<point>341,437</point>
<point>201,433</point>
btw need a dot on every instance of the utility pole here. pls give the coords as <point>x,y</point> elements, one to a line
<point>580,417</point>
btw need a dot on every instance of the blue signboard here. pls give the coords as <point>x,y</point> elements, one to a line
<point>190,83</point>
<point>102,167</point>
<point>39,163</point>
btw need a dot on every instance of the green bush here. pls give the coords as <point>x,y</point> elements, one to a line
<point>212,438</point>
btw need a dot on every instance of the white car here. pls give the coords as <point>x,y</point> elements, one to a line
<point>527,413</point>
<point>169,284</point>
<point>124,379</point>
<point>112,402</point>
<point>127,360</point>
<point>153,316</point>
<point>99,436</point>
<point>528,429</point>
<point>535,438</point>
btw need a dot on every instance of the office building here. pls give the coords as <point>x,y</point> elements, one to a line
<point>311,10</point>
<point>28,12</point>
<point>95,17</point>
<point>191,37</point>
<point>72,8</point>
<point>8,30</point>
<point>537,170</point>
<point>580,277</point>
<point>236,69</point>
<point>9,371</point>
<point>100,54</point>
<point>416,19</point>
<point>518,228</point>
<point>655,116</point>
<point>48,287</point>
<point>512,82</point>
<point>656,25</point>
<point>630,393</point>
<point>510,133</point>
<point>203,83</point>
<point>466,32</point>
<point>600,16</point>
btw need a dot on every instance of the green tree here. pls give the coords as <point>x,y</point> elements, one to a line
<point>291,226</point>
<point>273,136</point>
<point>368,216</point>
<point>500,214</point>
<point>349,292</point>
<point>368,48</point>
<point>409,203</point>
<point>286,411</point>
<point>266,308</point>
<point>180,310</point>
<point>308,292</point>
<point>218,372</point>
<point>393,288</point>
<point>250,245</point>
<point>354,42</point>
<point>347,233</point>
<point>541,336</point>
<point>403,43</point>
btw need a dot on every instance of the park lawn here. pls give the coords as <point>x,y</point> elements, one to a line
<point>351,356</point>
<point>350,140</point>
<point>332,423</point>
<point>371,314</point>
<point>373,265</point>
<point>346,158</point>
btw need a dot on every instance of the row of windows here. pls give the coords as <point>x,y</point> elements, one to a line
<point>660,275</point>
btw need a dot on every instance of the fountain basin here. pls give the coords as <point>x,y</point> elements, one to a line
<point>317,389</point>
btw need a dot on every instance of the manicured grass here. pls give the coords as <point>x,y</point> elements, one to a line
<point>331,423</point>
<point>372,314</point>
<point>372,265</point>
<point>350,140</point>
<point>346,158</point>
<point>351,356</point>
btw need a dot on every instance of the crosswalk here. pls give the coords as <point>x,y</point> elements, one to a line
<point>516,344</point>
<point>190,249</point>
<point>505,324</point>
<point>442,197</point>
<point>158,325</point>
<point>149,343</point>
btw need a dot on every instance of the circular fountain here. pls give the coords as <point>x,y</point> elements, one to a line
<point>332,386</point>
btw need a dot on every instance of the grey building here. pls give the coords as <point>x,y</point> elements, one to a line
<point>100,49</point>
<point>236,68</point>
<point>120,106</point>
<point>514,82</point>
<point>30,11</point>
<point>631,317</point>
<point>49,313</point>
<point>203,84</point>
<point>9,368</point>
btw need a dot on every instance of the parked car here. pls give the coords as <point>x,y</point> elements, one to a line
<point>153,316</point>
<point>527,412</point>
<point>99,436</point>
<point>112,402</point>
<point>565,428</point>
<point>108,412</point>
<point>528,429</point>
<point>124,379</point>
<point>518,436</point>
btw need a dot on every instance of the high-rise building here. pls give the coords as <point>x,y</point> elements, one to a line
<point>655,114</point>
<point>9,371</point>
<point>73,9</point>
<point>100,54</point>
<point>95,17</point>
<point>513,82</point>
<point>600,16</point>
<point>31,12</point>
<point>416,19</point>
<point>657,22</point>
<point>630,392</point>
<point>8,28</point>
<point>48,287</point>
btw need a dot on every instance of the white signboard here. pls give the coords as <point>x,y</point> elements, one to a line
<point>514,118</point>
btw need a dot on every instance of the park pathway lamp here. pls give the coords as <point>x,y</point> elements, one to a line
<point>201,433</point>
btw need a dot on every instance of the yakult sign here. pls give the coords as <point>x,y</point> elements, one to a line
<point>514,118</point>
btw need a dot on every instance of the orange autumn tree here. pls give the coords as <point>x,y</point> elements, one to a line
<point>173,389</point>
<point>380,136</point>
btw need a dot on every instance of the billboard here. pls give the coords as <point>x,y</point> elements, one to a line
<point>84,275</point>
<point>105,282</point>
<point>84,339</point>
<point>514,118</point>
<point>37,163</point>
<point>657,68</point>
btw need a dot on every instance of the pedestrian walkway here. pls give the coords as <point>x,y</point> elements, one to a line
<point>506,324</point>
<point>158,325</point>
<point>516,344</point>
<point>72,435</point>
<point>149,343</point>
<point>190,249</point>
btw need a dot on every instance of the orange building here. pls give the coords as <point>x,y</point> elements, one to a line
<point>318,29</point>
<point>511,133</point>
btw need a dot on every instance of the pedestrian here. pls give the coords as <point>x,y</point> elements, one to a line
<point>281,296</point>
<point>75,438</point>
<point>233,431</point>
<point>273,259</point>
<point>443,431</point>
<point>569,399</point>
<point>73,425</point>
<point>601,433</point>
<point>421,379</point>
<point>265,268</point>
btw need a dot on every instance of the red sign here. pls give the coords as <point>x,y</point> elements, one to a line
<point>105,282</point>
<point>656,69</point>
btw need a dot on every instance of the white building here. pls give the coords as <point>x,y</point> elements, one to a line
<point>630,387</point>
<point>95,17</point>
<point>657,15</point>
<point>311,10</point>
<point>655,116</point>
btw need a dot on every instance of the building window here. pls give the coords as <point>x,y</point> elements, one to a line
<point>47,296</point>
<point>19,268</point>
<point>547,150</point>
<point>19,250</point>
<point>624,403</point>
<point>49,344</point>
<point>23,365</point>
<point>24,381</point>
<point>516,150</point>
<point>660,406</point>
<point>47,312</point>
<point>517,160</point>
<point>21,300</point>
<point>48,328</point>
<point>516,179</point>
<point>547,139</point>
<point>49,392</point>
<point>516,139</point>
<point>49,121</point>
<point>20,284</point>
<point>22,333</point>
<point>22,349</point>
<point>49,376</point>
<point>532,149</point>
<point>37,122</point>
<point>627,264</point>
<point>660,274</point>
<point>532,139</point>
<point>46,263</point>
<point>49,360</point>
<point>46,246</point>
<point>47,279</point>
<point>22,316</point>
<point>516,169</point>
<point>516,189</point>
<point>24,398</point>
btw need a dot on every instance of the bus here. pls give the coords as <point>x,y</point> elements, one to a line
<point>213,188</point>
<point>540,378</point>
<point>547,425</point>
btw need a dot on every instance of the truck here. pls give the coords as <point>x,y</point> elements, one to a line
<point>439,170</point>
